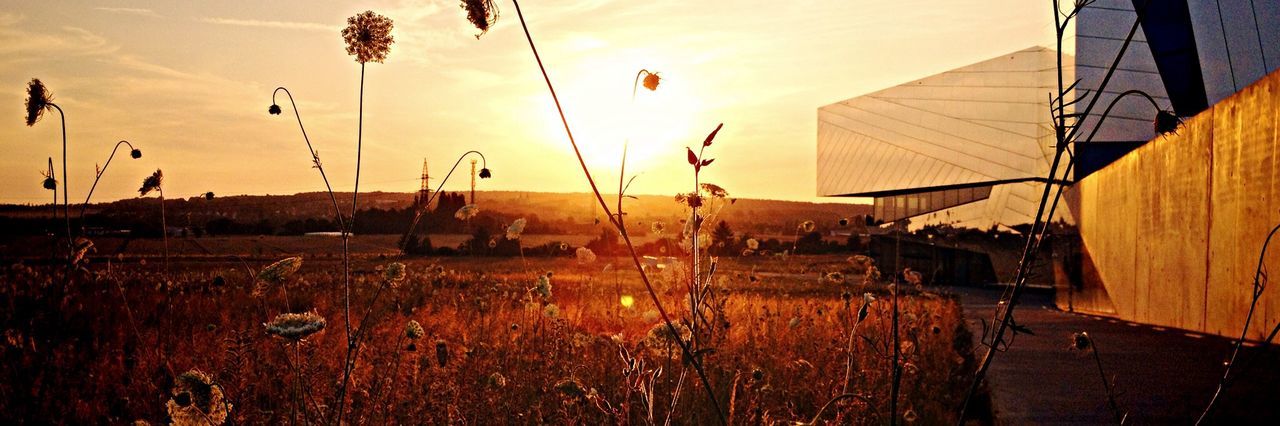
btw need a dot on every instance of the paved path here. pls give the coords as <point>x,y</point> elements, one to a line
<point>1163,376</point>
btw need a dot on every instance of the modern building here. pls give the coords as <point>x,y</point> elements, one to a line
<point>1168,227</point>
<point>972,146</point>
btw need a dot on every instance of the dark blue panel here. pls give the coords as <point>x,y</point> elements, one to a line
<point>1093,156</point>
<point>1167,25</point>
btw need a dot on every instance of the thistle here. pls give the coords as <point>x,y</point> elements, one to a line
<point>295,327</point>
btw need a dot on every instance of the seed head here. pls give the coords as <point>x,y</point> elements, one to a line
<point>135,153</point>
<point>38,101</point>
<point>651,80</point>
<point>368,37</point>
<point>394,273</point>
<point>585,256</point>
<point>467,212</point>
<point>1166,122</point>
<point>151,183</point>
<point>295,327</point>
<point>485,173</point>
<point>413,330</point>
<point>208,195</point>
<point>273,109</point>
<point>482,13</point>
<point>515,229</point>
<point>1081,341</point>
<point>196,400</point>
<point>808,226</point>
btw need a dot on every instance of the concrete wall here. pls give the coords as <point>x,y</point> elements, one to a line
<point>1171,233</point>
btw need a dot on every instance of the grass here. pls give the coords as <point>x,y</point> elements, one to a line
<point>72,356</point>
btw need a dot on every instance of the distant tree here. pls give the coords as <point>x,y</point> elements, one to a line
<point>722,239</point>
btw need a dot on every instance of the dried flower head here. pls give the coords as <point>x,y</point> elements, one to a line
<point>394,273</point>
<point>585,256</point>
<point>135,153</point>
<point>467,212</point>
<point>834,277</point>
<point>485,173</point>
<point>368,37</point>
<point>651,80</point>
<point>657,228</point>
<point>515,229</point>
<point>493,243</point>
<point>910,416</point>
<point>808,226</point>
<point>543,287</point>
<point>151,183</point>
<point>551,311</point>
<point>564,246</point>
<point>38,101</point>
<point>660,341</point>
<point>752,244</point>
<point>1166,122</point>
<point>1081,341</point>
<point>497,381</point>
<point>50,182</point>
<point>275,274</point>
<point>714,191</point>
<point>295,327</point>
<point>208,195</point>
<point>482,13</point>
<point>413,330</point>
<point>844,221</point>
<point>273,109</point>
<point>197,400</point>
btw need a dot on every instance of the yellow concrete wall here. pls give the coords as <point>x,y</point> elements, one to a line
<point>1172,230</point>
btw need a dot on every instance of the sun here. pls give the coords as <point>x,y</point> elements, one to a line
<point>655,128</point>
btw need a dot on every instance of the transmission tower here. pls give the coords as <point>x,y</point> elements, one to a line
<point>424,192</point>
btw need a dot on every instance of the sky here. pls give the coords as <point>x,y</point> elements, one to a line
<point>189,84</point>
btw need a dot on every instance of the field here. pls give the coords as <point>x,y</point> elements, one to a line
<point>586,347</point>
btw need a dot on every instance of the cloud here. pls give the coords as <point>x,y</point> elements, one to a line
<point>283,25</point>
<point>130,11</point>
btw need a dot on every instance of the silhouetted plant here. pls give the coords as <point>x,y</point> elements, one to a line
<point>1083,342</point>
<point>484,8</point>
<point>154,182</point>
<point>133,153</point>
<point>38,101</point>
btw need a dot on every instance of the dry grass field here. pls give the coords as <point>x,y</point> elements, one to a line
<point>495,346</point>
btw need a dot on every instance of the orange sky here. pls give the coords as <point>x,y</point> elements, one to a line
<point>189,83</point>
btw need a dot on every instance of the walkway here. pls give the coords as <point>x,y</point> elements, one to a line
<point>1163,376</point>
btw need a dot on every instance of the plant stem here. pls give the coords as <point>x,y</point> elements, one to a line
<point>66,181</point>
<point>346,253</point>
<point>85,206</point>
<point>164,233</point>
<point>619,224</point>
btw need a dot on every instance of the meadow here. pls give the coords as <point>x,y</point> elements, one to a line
<point>536,341</point>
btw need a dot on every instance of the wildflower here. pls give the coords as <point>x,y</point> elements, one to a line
<point>1166,122</point>
<point>442,353</point>
<point>1081,341</point>
<point>208,195</point>
<point>551,311</point>
<point>151,183</point>
<point>368,37</point>
<point>197,400</point>
<point>657,228</point>
<point>543,288</point>
<point>276,273</point>
<point>38,101</point>
<point>651,80</point>
<point>715,191</point>
<point>135,153</point>
<point>863,310</point>
<point>467,212</point>
<point>571,388</point>
<point>752,244</point>
<point>835,277</point>
<point>295,326</point>
<point>807,226</point>
<point>660,341</point>
<point>413,330</point>
<point>482,13</point>
<point>564,247</point>
<point>50,183</point>
<point>515,229</point>
<point>497,381</point>
<point>485,173</point>
<point>585,256</point>
<point>394,273</point>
